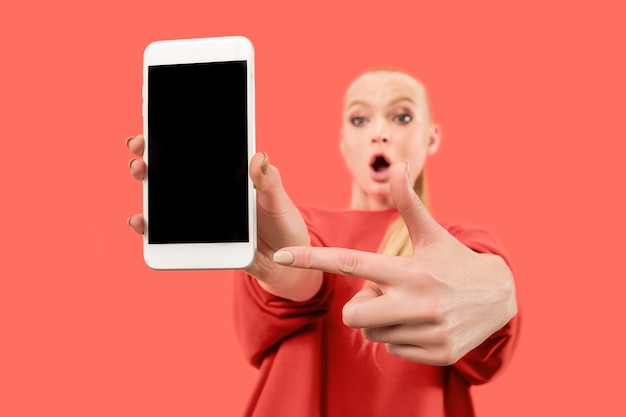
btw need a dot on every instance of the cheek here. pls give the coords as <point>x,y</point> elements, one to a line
<point>352,143</point>
<point>408,146</point>
<point>353,135</point>
<point>353,155</point>
<point>415,154</point>
<point>412,143</point>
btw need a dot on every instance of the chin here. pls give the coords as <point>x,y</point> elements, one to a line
<point>379,191</point>
<point>374,189</point>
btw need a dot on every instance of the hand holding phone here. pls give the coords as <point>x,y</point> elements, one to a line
<point>199,202</point>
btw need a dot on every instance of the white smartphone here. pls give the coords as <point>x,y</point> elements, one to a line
<point>199,128</point>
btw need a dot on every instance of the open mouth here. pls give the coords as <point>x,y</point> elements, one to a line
<point>380,162</point>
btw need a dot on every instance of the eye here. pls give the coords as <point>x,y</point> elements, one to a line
<point>357,120</point>
<point>403,118</point>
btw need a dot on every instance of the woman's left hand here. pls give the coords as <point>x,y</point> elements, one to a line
<point>432,307</point>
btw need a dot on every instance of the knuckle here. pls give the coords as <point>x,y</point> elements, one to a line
<point>443,349</point>
<point>444,357</point>
<point>434,310</point>
<point>306,258</point>
<point>348,263</point>
<point>440,336</point>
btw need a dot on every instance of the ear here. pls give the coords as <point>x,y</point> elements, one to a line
<point>434,139</point>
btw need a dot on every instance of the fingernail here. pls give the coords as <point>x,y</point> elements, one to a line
<point>284,258</point>
<point>128,220</point>
<point>130,163</point>
<point>265,165</point>
<point>128,140</point>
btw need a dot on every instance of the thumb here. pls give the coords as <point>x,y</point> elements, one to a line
<point>279,221</point>
<point>418,219</point>
<point>266,179</point>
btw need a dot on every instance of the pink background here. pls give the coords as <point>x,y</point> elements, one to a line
<point>530,97</point>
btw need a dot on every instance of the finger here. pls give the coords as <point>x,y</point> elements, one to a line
<point>259,170</point>
<point>268,183</point>
<point>279,221</point>
<point>137,223</point>
<point>136,144</point>
<point>137,168</point>
<point>363,309</point>
<point>413,353</point>
<point>380,269</point>
<point>418,334</point>
<point>425,355</point>
<point>370,308</point>
<point>419,222</point>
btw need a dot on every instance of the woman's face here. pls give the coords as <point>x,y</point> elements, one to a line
<point>386,120</point>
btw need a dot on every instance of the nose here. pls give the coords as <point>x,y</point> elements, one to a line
<point>381,131</point>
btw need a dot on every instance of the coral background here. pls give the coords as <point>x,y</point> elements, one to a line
<point>530,97</point>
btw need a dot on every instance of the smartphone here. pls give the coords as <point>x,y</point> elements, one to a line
<point>199,128</point>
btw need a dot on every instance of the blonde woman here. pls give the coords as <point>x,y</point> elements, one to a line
<point>337,329</point>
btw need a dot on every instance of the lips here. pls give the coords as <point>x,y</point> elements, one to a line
<point>379,164</point>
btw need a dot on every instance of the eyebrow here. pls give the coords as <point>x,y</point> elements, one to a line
<point>358,103</point>
<point>403,98</point>
<point>395,101</point>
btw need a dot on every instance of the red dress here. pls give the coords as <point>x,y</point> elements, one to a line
<point>312,365</point>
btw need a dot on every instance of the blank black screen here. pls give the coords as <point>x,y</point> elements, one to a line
<point>197,144</point>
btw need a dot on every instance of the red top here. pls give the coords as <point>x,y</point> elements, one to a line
<point>312,365</point>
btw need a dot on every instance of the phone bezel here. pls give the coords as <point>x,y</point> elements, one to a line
<point>222,255</point>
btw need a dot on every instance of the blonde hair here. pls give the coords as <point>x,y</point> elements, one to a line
<point>397,241</point>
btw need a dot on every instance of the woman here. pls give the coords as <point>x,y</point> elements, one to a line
<point>421,328</point>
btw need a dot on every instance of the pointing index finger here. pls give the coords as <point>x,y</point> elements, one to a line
<point>380,269</point>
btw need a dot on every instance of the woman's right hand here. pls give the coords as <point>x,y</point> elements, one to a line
<point>279,224</point>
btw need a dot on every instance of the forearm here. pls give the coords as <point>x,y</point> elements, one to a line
<point>263,320</point>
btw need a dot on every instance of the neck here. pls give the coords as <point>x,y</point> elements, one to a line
<point>362,201</point>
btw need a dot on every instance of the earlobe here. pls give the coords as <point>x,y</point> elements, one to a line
<point>435,139</point>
